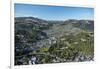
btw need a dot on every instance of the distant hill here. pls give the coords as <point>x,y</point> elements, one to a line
<point>82,24</point>
<point>29,20</point>
<point>29,23</point>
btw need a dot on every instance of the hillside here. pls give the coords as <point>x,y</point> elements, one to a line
<point>53,41</point>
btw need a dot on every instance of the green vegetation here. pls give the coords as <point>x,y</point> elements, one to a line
<point>51,42</point>
<point>77,46</point>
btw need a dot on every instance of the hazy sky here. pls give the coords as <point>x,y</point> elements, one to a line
<point>53,12</point>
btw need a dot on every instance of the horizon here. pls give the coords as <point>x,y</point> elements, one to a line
<point>53,20</point>
<point>54,13</point>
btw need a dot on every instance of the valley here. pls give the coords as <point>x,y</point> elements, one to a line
<point>39,41</point>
